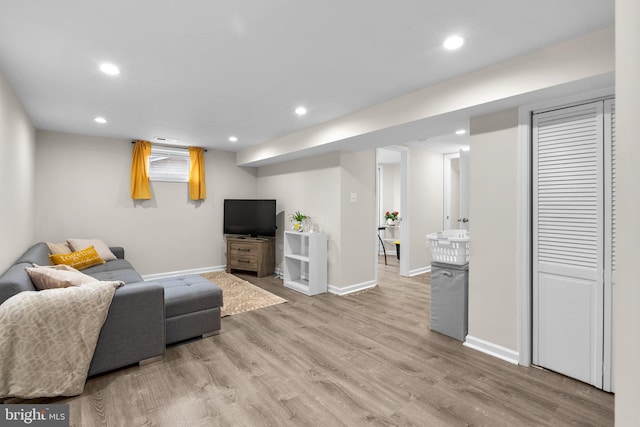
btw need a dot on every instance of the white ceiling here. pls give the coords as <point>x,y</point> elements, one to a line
<point>202,70</point>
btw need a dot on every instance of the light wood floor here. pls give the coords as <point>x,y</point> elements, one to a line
<point>363,359</point>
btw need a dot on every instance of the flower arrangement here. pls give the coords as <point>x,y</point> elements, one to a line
<point>296,219</point>
<point>393,216</point>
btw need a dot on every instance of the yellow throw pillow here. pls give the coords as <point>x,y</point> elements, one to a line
<point>79,260</point>
<point>100,247</point>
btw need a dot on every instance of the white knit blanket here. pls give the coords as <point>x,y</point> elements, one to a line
<point>47,339</point>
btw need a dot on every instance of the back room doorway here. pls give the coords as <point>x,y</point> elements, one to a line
<point>391,167</point>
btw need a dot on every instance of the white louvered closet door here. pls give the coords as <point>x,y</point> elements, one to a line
<point>568,241</point>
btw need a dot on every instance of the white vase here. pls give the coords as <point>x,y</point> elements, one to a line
<point>391,221</point>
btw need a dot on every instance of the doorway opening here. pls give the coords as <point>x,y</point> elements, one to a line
<point>456,190</point>
<point>392,207</point>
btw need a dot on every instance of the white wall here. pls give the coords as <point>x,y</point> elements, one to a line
<point>321,186</point>
<point>425,194</point>
<point>17,148</point>
<point>358,220</point>
<point>627,286</point>
<point>493,303</point>
<point>82,190</point>
<point>311,186</point>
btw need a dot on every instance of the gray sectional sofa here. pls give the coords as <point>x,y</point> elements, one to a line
<point>143,317</point>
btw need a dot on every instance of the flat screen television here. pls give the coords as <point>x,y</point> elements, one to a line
<point>250,217</point>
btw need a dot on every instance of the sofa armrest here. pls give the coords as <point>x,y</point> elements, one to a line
<point>15,280</point>
<point>118,251</point>
<point>133,330</point>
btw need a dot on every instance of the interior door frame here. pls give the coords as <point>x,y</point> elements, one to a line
<point>609,279</point>
<point>404,207</point>
<point>463,208</point>
<point>525,215</point>
<point>446,205</point>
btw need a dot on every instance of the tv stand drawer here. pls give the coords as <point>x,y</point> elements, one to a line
<point>243,248</point>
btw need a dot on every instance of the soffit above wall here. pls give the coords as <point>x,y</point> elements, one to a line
<point>583,64</point>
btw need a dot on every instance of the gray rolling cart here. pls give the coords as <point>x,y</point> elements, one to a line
<point>450,299</point>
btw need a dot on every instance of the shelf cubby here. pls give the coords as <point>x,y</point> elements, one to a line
<point>305,262</point>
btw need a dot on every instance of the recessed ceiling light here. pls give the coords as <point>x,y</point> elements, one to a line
<point>233,139</point>
<point>109,69</point>
<point>100,120</point>
<point>301,111</point>
<point>461,132</point>
<point>453,42</point>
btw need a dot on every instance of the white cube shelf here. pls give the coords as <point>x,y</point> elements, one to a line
<point>305,262</point>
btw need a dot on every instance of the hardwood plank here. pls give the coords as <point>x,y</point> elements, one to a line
<point>362,359</point>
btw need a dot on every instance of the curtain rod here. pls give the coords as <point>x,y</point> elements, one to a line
<point>170,146</point>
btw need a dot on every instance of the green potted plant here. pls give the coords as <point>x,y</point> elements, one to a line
<point>296,219</point>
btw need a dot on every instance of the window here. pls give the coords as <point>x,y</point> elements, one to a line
<point>169,164</point>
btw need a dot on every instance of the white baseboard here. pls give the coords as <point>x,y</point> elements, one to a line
<point>183,272</point>
<point>418,271</point>
<point>333,289</point>
<point>352,288</point>
<point>492,349</point>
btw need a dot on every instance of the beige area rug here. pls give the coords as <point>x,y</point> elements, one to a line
<point>240,296</point>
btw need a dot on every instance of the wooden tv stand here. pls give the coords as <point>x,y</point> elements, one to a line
<point>251,254</point>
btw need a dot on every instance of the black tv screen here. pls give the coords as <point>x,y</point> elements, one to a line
<point>250,217</point>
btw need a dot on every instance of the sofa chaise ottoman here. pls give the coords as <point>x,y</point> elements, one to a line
<point>191,307</point>
<point>143,316</point>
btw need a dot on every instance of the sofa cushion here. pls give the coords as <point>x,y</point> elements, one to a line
<point>126,276</point>
<point>57,276</point>
<point>100,247</point>
<point>189,294</point>
<point>118,269</point>
<point>59,248</point>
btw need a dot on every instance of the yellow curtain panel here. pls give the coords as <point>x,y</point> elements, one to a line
<point>197,183</point>
<point>140,187</point>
